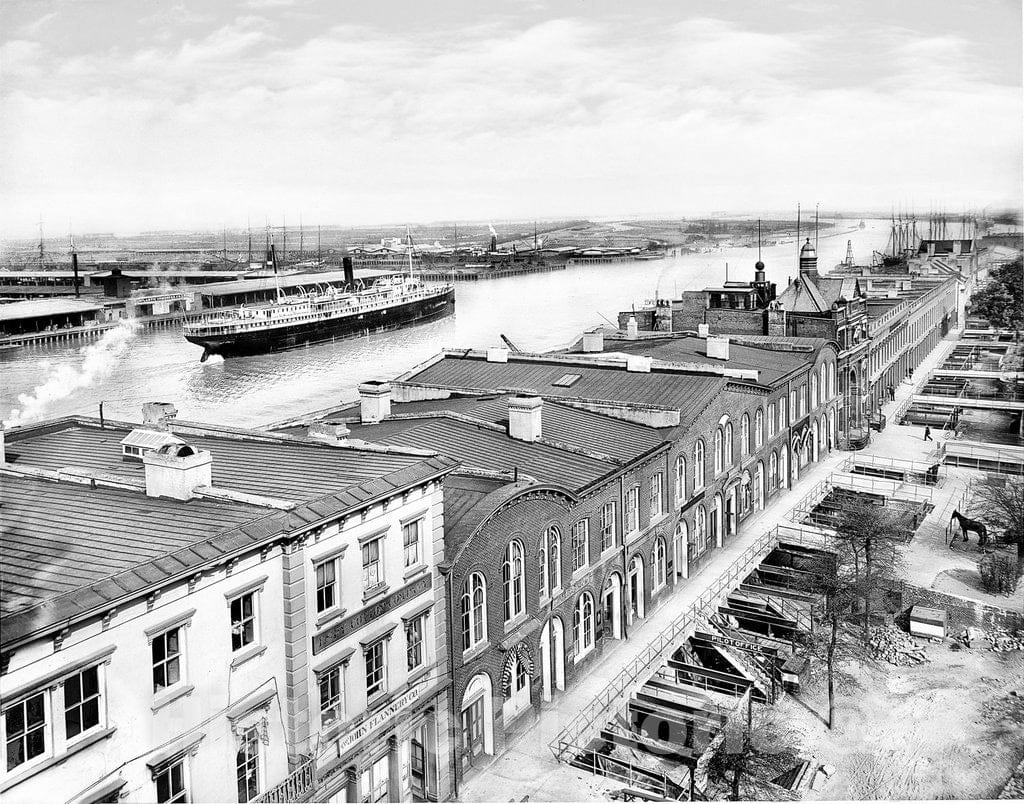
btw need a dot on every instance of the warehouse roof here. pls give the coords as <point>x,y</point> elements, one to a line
<point>43,308</point>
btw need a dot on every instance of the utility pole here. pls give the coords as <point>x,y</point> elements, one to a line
<point>41,258</point>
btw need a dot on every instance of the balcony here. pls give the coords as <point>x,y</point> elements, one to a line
<point>299,786</point>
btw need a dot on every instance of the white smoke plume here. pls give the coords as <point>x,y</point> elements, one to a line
<point>98,359</point>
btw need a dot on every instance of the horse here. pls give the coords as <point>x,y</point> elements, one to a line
<point>968,525</point>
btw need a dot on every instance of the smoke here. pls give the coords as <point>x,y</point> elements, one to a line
<point>98,360</point>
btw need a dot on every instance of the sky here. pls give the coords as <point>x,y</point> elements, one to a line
<point>127,115</point>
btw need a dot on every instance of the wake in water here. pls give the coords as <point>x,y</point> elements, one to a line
<point>98,359</point>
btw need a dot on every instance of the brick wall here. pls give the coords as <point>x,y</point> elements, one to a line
<point>688,311</point>
<point>735,322</point>
<point>961,612</point>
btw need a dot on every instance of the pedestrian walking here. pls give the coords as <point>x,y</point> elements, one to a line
<point>892,392</point>
<point>928,433</point>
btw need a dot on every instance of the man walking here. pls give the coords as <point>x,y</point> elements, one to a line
<point>892,392</point>
<point>928,433</point>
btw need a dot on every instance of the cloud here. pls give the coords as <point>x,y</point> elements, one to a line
<point>32,28</point>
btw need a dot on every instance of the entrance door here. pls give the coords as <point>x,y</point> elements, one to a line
<point>613,606</point>
<point>552,658</point>
<point>636,587</point>
<point>374,781</point>
<point>473,727</point>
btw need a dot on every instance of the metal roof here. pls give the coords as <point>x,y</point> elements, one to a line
<point>41,308</point>
<point>149,439</point>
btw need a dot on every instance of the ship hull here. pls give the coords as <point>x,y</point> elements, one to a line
<point>419,311</point>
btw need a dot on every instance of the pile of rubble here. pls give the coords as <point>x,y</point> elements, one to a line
<point>896,647</point>
<point>1000,640</point>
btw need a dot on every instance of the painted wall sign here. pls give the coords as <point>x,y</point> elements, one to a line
<point>380,718</point>
<point>369,614</point>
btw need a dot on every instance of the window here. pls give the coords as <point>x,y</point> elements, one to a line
<point>514,580</point>
<point>166,659</point>
<point>633,510</point>
<point>728,444</point>
<point>771,420</point>
<point>373,572</point>
<point>660,563</point>
<point>414,653</point>
<point>745,435</point>
<point>170,782</point>
<point>702,529</point>
<point>25,730</point>
<point>680,480</point>
<point>82,702</point>
<point>583,624</point>
<point>698,465</point>
<point>719,450</point>
<point>782,413</point>
<point>758,429</point>
<point>553,542</point>
<point>474,611</point>
<point>542,569</point>
<point>411,542</point>
<point>608,539</point>
<point>374,781</point>
<point>814,389</point>
<point>332,704</point>
<point>773,472</point>
<point>803,399</point>
<point>792,406</point>
<point>518,694</point>
<point>247,764</point>
<point>657,495</point>
<point>376,674</point>
<point>243,621</point>
<point>326,585</point>
<point>580,544</point>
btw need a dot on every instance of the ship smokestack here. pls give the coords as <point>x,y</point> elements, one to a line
<point>350,275</point>
<point>74,267</point>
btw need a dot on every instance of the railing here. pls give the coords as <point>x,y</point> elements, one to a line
<point>1008,395</point>
<point>297,787</point>
<point>895,489</point>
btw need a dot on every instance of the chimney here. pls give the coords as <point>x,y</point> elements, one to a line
<point>593,341</point>
<point>158,415</point>
<point>350,275</point>
<point>374,401</point>
<point>329,432</point>
<point>176,470</point>
<point>702,330</point>
<point>525,414</point>
<point>497,354</point>
<point>631,328</point>
<point>638,364</point>
<point>718,347</point>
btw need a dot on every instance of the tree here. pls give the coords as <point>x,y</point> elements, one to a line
<point>1001,299</point>
<point>999,503</point>
<point>762,746</point>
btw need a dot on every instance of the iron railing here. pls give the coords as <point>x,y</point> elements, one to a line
<point>298,786</point>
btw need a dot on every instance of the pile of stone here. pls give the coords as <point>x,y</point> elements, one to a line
<point>896,647</point>
<point>1000,640</point>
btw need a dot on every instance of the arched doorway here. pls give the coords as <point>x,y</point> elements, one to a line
<point>716,520</point>
<point>759,495</point>
<point>611,601</point>
<point>784,467</point>
<point>680,546</point>
<point>552,658</point>
<point>831,429</point>
<point>636,588</point>
<point>794,463</point>
<point>814,441</point>
<point>477,719</point>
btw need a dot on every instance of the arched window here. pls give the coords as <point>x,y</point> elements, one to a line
<point>583,624</point>
<point>771,420</point>
<point>831,380</point>
<point>823,383</point>
<point>783,467</point>
<point>474,611</point>
<point>728,445</point>
<point>773,471</point>
<point>814,390</point>
<point>698,464</point>
<point>542,567</point>
<point>680,480</point>
<point>758,428</point>
<point>719,450</point>
<point>660,560</point>
<point>553,539</point>
<point>514,580</point>
<point>702,529</point>
<point>745,435</point>
<point>680,540</point>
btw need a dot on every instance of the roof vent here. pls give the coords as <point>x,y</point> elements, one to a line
<point>718,347</point>
<point>176,470</point>
<point>143,440</point>
<point>158,415</point>
<point>638,363</point>
<point>525,417</point>
<point>497,354</point>
<point>632,328</point>
<point>374,401</point>
<point>329,432</point>
<point>703,330</point>
<point>593,341</point>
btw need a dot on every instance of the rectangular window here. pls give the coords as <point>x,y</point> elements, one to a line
<point>326,585</point>
<point>792,406</point>
<point>414,653</point>
<point>633,509</point>
<point>580,544</point>
<point>170,782</point>
<point>331,702</point>
<point>657,494</point>
<point>782,413</point>
<point>411,542</point>
<point>608,526</point>
<point>373,574</point>
<point>771,420</point>
<point>243,621</point>
<point>166,659</point>
<point>803,399</point>
<point>82,702</point>
<point>25,730</point>
<point>376,680</point>
<point>418,763</point>
<point>247,765</point>
<point>374,781</point>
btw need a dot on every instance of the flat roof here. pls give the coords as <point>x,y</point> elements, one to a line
<point>42,308</point>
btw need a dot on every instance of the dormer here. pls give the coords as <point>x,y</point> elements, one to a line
<point>141,441</point>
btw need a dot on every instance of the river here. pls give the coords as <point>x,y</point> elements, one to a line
<point>536,312</point>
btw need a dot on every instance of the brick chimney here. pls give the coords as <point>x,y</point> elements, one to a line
<point>374,401</point>
<point>525,416</point>
<point>176,470</point>
<point>158,415</point>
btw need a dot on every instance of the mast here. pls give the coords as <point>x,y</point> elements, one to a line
<point>319,259</point>
<point>41,258</point>
<point>248,225</point>
<point>284,241</point>
<point>74,260</point>
<point>277,279</point>
<point>301,241</point>
<point>798,230</point>
<point>759,240</point>
<point>408,232</point>
<point>815,228</point>
<point>224,252</point>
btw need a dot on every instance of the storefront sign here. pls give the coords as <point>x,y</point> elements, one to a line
<point>367,615</point>
<point>380,718</point>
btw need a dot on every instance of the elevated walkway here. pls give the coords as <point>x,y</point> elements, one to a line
<point>993,402</point>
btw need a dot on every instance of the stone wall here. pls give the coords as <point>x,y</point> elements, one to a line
<point>962,612</point>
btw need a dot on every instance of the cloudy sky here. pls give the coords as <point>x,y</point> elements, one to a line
<point>118,115</point>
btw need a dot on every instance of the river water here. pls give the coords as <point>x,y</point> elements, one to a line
<point>536,312</point>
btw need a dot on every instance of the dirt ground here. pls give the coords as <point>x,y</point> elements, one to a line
<point>950,728</point>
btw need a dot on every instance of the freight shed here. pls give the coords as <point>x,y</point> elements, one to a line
<point>40,315</point>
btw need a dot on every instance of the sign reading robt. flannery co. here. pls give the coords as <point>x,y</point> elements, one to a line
<point>368,615</point>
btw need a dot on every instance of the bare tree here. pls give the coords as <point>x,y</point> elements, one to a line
<point>999,503</point>
<point>761,745</point>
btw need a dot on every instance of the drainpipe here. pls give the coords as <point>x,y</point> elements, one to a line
<point>452,730</point>
<point>625,570</point>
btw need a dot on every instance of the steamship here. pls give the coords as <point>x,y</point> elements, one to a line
<point>320,315</point>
